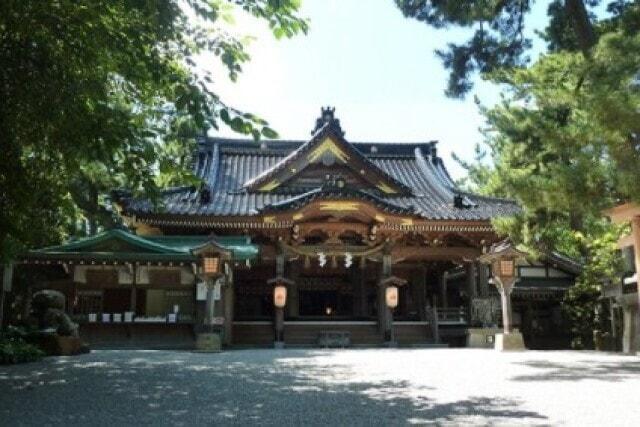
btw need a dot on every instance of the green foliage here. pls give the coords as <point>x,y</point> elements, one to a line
<point>101,94</point>
<point>564,141</point>
<point>498,39</point>
<point>14,349</point>
<point>582,302</point>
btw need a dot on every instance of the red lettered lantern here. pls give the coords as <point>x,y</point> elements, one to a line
<point>391,296</point>
<point>279,296</point>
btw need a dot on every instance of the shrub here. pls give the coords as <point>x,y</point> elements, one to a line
<point>14,349</point>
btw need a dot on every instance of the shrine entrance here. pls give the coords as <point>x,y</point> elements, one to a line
<point>335,298</point>
<point>326,304</point>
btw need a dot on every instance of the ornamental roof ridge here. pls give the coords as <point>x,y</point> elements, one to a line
<point>226,144</point>
<point>327,129</point>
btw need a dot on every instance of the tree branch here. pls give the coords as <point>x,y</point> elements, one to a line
<point>577,12</point>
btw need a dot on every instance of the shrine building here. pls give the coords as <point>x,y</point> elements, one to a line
<point>286,242</point>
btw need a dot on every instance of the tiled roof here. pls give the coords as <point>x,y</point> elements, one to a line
<point>334,193</point>
<point>225,165</point>
<point>330,129</point>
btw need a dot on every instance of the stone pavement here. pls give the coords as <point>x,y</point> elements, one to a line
<point>324,387</point>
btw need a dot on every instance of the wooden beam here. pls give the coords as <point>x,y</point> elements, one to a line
<point>435,253</point>
<point>403,253</point>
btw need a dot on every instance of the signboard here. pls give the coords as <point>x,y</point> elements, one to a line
<point>201,291</point>
<point>217,291</point>
<point>218,321</point>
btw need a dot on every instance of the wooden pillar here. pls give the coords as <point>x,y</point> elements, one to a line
<point>279,328</point>
<point>483,279</point>
<point>612,317</point>
<point>362,291</point>
<point>432,318</point>
<point>278,322</point>
<point>443,290</point>
<point>385,313</point>
<point>472,287</point>
<point>293,297</point>
<point>382,306</point>
<point>134,291</point>
<point>382,322</point>
<point>229,302</point>
<point>418,290</point>
<point>527,320</point>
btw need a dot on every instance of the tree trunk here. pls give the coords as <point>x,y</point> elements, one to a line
<point>577,13</point>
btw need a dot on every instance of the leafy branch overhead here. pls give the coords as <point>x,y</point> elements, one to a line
<point>498,38</point>
<point>98,94</point>
<point>564,142</point>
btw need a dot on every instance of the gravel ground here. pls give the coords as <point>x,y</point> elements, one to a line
<point>314,387</point>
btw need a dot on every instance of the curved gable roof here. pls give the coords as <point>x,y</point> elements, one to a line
<point>329,141</point>
<point>232,170</point>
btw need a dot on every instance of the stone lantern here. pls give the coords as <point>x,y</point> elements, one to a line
<point>210,269</point>
<point>503,258</point>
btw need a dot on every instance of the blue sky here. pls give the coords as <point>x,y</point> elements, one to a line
<point>376,67</point>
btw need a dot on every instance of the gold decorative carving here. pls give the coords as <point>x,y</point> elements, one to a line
<point>270,186</point>
<point>327,145</point>
<point>385,188</point>
<point>339,206</point>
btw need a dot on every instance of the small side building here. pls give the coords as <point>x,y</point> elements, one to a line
<point>536,301</point>
<point>623,294</point>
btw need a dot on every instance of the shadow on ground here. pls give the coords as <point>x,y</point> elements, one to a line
<point>581,370</point>
<point>255,387</point>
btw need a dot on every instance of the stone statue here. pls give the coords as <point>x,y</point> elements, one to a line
<point>48,309</point>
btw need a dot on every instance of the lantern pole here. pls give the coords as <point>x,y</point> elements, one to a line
<point>279,311</point>
<point>503,257</point>
<point>280,284</point>
<point>210,305</point>
<point>210,270</point>
<point>279,303</point>
<point>505,287</point>
<point>279,328</point>
<point>389,289</point>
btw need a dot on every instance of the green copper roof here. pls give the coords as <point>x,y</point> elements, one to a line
<point>120,244</point>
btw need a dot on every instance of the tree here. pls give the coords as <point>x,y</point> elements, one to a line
<point>565,138</point>
<point>98,93</point>
<point>564,142</point>
<point>499,39</point>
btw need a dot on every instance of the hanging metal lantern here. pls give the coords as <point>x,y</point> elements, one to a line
<point>391,297</point>
<point>279,296</point>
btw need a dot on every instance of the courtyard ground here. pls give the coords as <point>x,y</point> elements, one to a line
<point>315,387</point>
